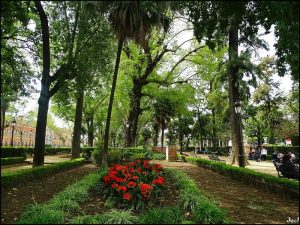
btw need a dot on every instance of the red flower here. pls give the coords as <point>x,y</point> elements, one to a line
<point>145,189</point>
<point>122,188</point>
<point>131,184</point>
<point>160,180</point>
<point>135,177</point>
<point>114,185</point>
<point>127,196</point>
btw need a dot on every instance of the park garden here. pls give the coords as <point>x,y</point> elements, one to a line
<point>161,103</point>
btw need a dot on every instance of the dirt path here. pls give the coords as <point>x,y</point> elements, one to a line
<point>14,200</point>
<point>245,203</point>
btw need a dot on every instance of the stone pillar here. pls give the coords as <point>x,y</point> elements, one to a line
<point>172,153</point>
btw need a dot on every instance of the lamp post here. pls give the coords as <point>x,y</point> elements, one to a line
<point>237,108</point>
<point>21,137</point>
<point>13,124</point>
<point>30,133</point>
<point>127,134</point>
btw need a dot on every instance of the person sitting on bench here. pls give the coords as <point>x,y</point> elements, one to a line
<point>288,169</point>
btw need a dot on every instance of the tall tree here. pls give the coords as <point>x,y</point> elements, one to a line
<point>17,40</point>
<point>130,20</point>
<point>219,21</point>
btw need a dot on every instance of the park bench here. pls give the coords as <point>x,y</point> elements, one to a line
<point>286,171</point>
<point>213,157</point>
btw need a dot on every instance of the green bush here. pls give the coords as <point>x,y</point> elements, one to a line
<point>207,213</point>
<point>20,176</point>
<point>12,160</point>
<point>7,152</point>
<point>283,149</point>
<point>37,214</point>
<point>118,155</point>
<point>89,219</point>
<point>166,215</point>
<point>158,156</point>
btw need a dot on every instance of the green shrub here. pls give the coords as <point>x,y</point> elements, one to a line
<point>112,217</point>
<point>118,155</point>
<point>12,160</point>
<point>42,214</point>
<point>158,156</point>
<point>166,215</point>
<point>96,156</point>
<point>13,152</point>
<point>89,219</point>
<point>207,213</point>
<point>120,217</point>
<point>12,178</point>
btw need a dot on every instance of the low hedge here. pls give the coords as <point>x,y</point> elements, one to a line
<point>283,149</point>
<point>20,176</point>
<point>22,151</point>
<point>12,160</point>
<point>119,155</point>
<point>286,187</point>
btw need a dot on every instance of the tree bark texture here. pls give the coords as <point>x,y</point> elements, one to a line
<point>39,148</point>
<point>90,126</point>
<point>234,91</point>
<point>134,113</point>
<point>77,126</point>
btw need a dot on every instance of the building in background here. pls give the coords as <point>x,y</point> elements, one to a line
<point>24,135</point>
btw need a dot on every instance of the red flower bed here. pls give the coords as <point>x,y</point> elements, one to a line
<point>133,184</point>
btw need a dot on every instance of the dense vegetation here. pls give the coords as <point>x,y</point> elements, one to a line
<point>125,73</point>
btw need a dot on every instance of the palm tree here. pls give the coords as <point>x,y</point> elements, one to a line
<point>130,21</point>
<point>163,111</point>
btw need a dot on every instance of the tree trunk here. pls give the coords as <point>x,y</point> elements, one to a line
<point>111,100</point>
<point>39,148</point>
<point>155,139</point>
<point>77,126</point>
<point>91,133</point>
<point>134,113</point>
<point>4,107</point>
<point>90,129</point>
<point>181,143</point>
<point>234,94</point>
<point>213,114</point>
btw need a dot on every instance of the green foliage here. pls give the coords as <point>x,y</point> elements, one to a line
<point>12,160</point>
<point>112,217</point>
<point>88,219</point>
<point>158,156</point>
<point>117,155</point>
<point>207,213</point>
<point>14,152</point>
<point>37,214</point>
<point>166,215</point>
<point>120,217</point>
<point>20,176</point>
